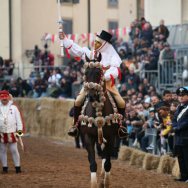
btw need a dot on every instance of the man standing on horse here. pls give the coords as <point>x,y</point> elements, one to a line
<point>110,63</point>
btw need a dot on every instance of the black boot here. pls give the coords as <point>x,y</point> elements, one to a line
<point>122,131</point>
<point>5,170</point>
<point>18,169</point>
<point>122,112</point>
<point>73,131</point>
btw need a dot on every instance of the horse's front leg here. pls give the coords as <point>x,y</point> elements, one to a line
<point>90,145</point>
<point>106,163</point>
<point>107,168</point>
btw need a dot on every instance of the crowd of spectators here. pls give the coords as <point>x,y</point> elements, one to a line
<point>145,108</point>
<point>146,48</point>
<point>151,116</point>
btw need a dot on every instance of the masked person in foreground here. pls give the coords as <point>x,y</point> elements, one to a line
<point>110,63</point>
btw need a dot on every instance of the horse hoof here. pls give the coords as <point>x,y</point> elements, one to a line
<point>101,185</point>
<point>94,185</point>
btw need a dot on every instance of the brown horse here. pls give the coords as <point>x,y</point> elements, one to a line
<point>99,119</point>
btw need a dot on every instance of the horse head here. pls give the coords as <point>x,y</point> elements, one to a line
<point>94,78</point>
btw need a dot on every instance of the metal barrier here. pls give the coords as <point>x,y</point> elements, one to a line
<point>35,71</point>
<point>151,75</point>
<point>168,76</point>
<point>181,52</point>
<point>27,70</point>
<point>152,135</point>
<point>166,72</point>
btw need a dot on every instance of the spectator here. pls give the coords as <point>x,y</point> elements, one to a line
<point>166,54</point>
<point>149,124</point>
<point>136,123</point>
<point>65,86</point>
<point>133,77</point>
<point>8,67</point>
<point>166,127</point>
<point>123,90</point>
<point>161,32</point>
<point>36,59</point>
<point>147,33</point>
<point>173,107</point>
<point>156,103</point>
<point>6,86</point>
<point>167,98</point>
<point>143,113</point>
<point>39,88</point>
<point>147,102</point>
<point>53,80</point>
<point>14,89</point>
<point>180,127</point>
<point>47,58</point>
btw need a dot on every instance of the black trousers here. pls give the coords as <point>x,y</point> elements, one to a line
<point>182,154</point>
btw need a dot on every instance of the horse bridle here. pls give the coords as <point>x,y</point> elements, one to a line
<point>99,121</point>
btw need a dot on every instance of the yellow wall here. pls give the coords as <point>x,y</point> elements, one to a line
<point>169,10</point>
<point>4,29</point>
<point>32,18</point>
<point>184,11</point>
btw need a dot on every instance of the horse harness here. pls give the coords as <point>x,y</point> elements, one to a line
<point>99,121</point>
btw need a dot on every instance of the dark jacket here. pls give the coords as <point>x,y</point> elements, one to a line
<point>180,126</point>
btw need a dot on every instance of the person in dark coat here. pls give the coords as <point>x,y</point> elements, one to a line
<point>180,127</point>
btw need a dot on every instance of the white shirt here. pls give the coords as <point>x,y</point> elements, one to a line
<point>54,79</point>
<point>10,118</point>
<point>110,57</point>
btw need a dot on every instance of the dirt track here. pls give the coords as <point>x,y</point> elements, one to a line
<point>49,163</point>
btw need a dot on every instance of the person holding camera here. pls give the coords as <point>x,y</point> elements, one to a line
<point>180,128</point>
<point>11,128</point>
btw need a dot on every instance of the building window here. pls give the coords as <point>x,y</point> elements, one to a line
<point>69,1</point>
<point>112,25</point>
<point>67,26</point>
<point>140,9</point>
<point>65,1</point>
<point>112,3</point>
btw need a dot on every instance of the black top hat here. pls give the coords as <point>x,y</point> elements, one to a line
<point>182,91</point>
<point>105,36</point>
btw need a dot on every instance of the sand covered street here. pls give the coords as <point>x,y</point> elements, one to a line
<point>50,163</point>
